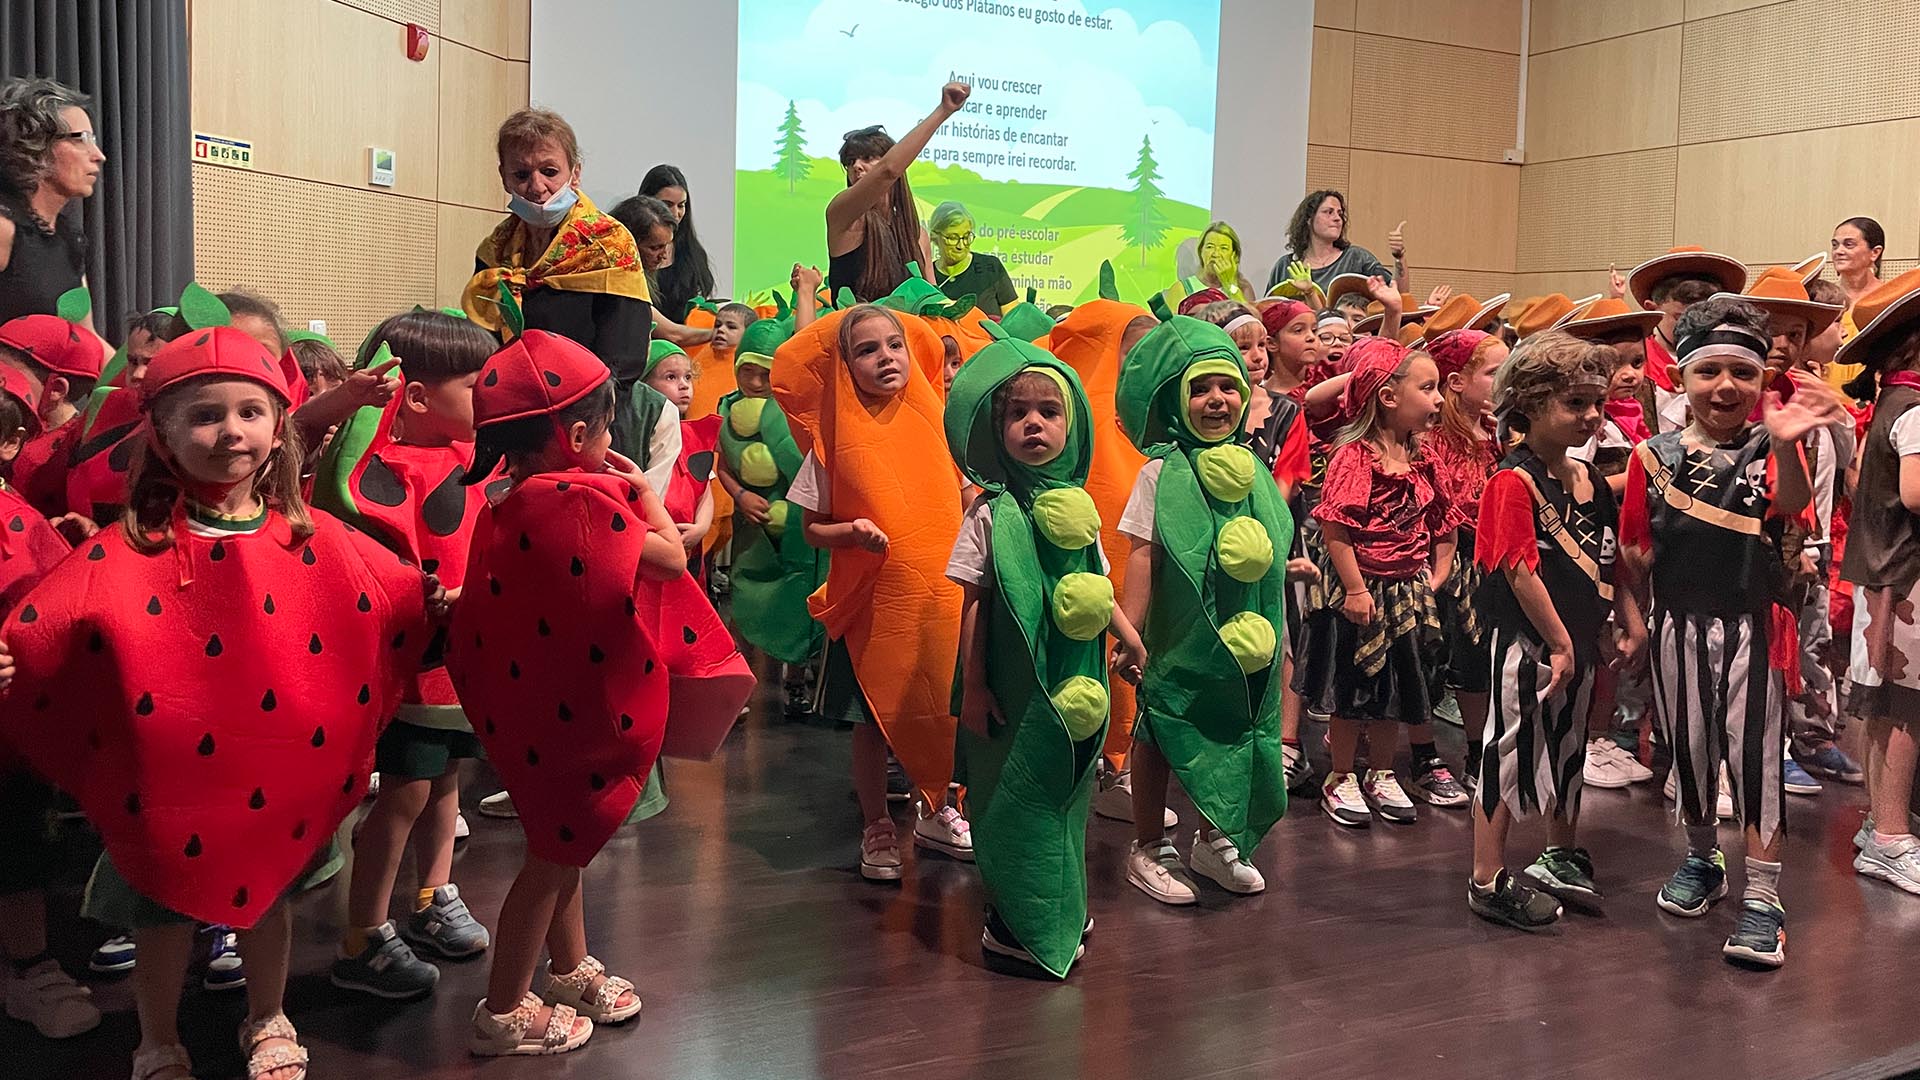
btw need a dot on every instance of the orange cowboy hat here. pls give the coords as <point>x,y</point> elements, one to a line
<point>1463,312</point>
<point>1778,291</point>
<point>1377,314</point>
<point>1883,309</point>
<point>1691,260</point>
<point>1543,312</point>
<point>1809,268</point>
<point>1603,316</point>
<point>1412,335</point>
<point>1345,284</point>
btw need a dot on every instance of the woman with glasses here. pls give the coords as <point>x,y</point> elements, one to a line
<point>960,271</point>
<point>873,231</point>
<point>48,158</point>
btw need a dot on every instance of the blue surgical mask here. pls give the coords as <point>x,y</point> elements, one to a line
<point>545,216</point>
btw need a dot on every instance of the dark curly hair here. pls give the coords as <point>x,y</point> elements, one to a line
<point>1300,229</point>
<point>29,125</point>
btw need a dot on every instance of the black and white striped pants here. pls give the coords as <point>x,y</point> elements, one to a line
<point>1536,746</point>
<point>1719,701</point>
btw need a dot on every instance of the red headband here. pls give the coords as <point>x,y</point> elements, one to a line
<point>1277,314</point>
<point>1453,350</point>
<point>1199,300</point>
<point>1374,361</point>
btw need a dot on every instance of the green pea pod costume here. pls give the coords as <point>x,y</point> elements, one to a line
<point>774,568</point>
<point>1025,321</point>
<point>1210,698</point>
<point>1030,781</point>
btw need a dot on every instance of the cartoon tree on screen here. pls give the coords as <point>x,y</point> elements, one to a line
<point>792,162</point>
<point>1148,226</point>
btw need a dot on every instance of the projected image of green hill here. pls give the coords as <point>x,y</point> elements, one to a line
<point>1081,226</point>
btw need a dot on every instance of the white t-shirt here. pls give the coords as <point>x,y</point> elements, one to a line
<point>663,450</point>
<point>1137,519</point>
<point>972,560</point>
<point>1905,433</point>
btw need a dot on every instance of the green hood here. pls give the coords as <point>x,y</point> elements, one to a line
<point>917,296</point>
<point>976,444</point>
<point>1025,320</point>
<point>761,339</point>
<point>657,351</point>
<point>1151,397</point>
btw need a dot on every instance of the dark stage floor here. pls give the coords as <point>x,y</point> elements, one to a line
<point>761,953</point>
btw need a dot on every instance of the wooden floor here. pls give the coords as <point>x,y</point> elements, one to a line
<point>761,953</point>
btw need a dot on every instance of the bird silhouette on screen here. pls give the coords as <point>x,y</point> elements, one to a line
<point>849,33</point>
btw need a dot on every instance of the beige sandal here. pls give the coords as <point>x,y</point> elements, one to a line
<point>151,1063</point>
<point>262,1062</point>
<point>601,1003</point>
<point>502,1035</point>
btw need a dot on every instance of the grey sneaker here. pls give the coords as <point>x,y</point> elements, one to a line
<point>386,968</point>
<point>446,927</point>
<point>1897,863</point>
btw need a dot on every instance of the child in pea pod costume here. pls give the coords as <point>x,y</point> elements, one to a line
<point>774,568</point>
<point>1032,689</point>
<point>1206,580</point>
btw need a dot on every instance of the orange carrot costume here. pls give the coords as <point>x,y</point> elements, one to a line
<point>897,613</point>
<point>1088,340</point>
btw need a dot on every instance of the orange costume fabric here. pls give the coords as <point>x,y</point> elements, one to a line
<point>897,613</point>
<point>1088,340</point>
<point>713,379</point>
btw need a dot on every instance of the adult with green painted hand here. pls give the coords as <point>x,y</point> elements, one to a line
<point>1035,606</point>
<point>1206,582</point>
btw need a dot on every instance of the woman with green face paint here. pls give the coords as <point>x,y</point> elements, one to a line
<point>1206,582</point>
<point>1035,606</point>
<point>959,271</point>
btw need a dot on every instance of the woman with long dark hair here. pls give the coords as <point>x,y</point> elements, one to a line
<point>873,231</point>
<point>1317,236</point>
<point>689,275</point>
<point>1854,253</point>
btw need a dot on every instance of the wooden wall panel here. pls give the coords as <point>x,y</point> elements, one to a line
<point>1587,213</point>
<point>1464,101</point>
<point>460,230</point>
<point>477,92</point>
<point>1480,284</point>
<point>1577,284</point>
<point>1707,9</point>
<point>1566,118</point>
<point>420,12</point>
<point>1558,24</point>
<point>1330,101</point>
<point>1799,65</point>
<point>1493,25</point>
<point>315,119</point>
<point>1327,167</point>
<point>1776,199</point>
<point>321,252</point>
<point>1336,14</point>
<point>1458,213</point>
<point>499,27</point>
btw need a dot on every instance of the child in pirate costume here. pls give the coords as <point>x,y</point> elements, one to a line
<point>1034,611</point>
<point>1670,284</point>
<point>1715,495</point>
<point>1206,581</point>
<point>1545,540</point>
<point>774,568</point>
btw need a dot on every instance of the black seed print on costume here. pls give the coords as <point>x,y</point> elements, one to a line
<point>202,339</point>
<point>144,707</point>
<point>633,493</point>
<point>307,556</point>
<point>366,694</point>
<point>219,551</point>
<point>566,714</point>
<point>490,729</point>
<point>153,605</point>
<point>526,543</point>
<point>566,835</point>
<point>632,608</point>
<point>577,567</point>
<point>626,722</point>
<point>269,702</point>
<point>446,507</point>
<point>552,379</point>
<point>240,897</point>
<point>28,614</point>
<point>120,458</point>
<point>687,635</point>
<point>214,648</point>
<point>18,524</point>
<point>193,846</point>
<point>96,553</point>
<point>299,829</point>
<point>364,604</point>
<point>543,628</point>
<point>493,377</point>
<point>596,781</point>
<point>319,737</point>
<point>133,802</point>
<point>206,745</point>
<point>700,465</point>
<point>257,801</point>
<point>476,640</point>
<point>648,668</point>
<point>562,485</point>
<point>400,639</point>
<point>619,523</point>
<point>268,606</point>
<point>595,655</point>
<point>493,585</point>
<point>93,739</point>
<point>513,669</point>
<point>380,485</point>
<point>533,756</point>
<point>313,645</point>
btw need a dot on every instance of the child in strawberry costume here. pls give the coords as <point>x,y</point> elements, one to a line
<point>399,474</point>
<point>581,626</point>
<point>207,678</point>
<point>689,498</point>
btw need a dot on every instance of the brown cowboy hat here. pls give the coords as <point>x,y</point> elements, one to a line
<point>1346,284</point>
<point>1463,312</point>
<point>1809,268</point>
<point>1692,261</point>
<point>1778,291</point>
<point>1882,310</point>
<point>1377,314</point>
<point>1604,316</point>
<point>1543,312</point>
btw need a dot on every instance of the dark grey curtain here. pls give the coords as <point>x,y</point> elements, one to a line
<point>131,57</point>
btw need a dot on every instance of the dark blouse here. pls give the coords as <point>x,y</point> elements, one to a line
<point>41,266</point>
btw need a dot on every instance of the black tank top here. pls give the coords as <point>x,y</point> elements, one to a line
<point>843,272</point>
<point>41,266</point>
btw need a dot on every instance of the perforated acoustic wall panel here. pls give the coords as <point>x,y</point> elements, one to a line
<point>419,12</point>
<point>1586,213</point>
<point>1327,168</point>
<point>1463,101</point>
<point>321,252</point>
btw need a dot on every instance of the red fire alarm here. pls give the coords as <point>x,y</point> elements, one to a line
<point>416,42</point>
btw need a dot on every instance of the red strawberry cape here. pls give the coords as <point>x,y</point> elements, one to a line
<point>563,653</point>
<point>215,732</point>
<point>40,469</point>
<point>29,547</point>
<point>103,454</point>
<point>693,473</point>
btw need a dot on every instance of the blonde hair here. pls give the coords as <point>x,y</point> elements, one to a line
<point>1366,423</point>
<point>1543,365</point>
<point>154,489</point>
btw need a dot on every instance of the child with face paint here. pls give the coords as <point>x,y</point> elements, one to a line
<point>1715,494</point>
<point>858,386</point>
<point>1373,632</point>
<point>1206,583</point>
<point>215,766</point>
<point>1035,608</point>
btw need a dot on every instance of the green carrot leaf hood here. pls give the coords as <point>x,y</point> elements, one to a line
<point>760,340</point>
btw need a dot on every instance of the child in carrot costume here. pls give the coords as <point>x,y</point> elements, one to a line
<point>1207,582</point>
<point>1035,611</point>
<point>858,386</point>
<point>1093,339</point>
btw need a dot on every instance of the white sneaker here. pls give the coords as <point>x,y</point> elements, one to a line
<point>498,805</point>
<point>1897,864</point>
<point>1630,766</point>
<point>1156,871</point>
<point>880,852</point>
<point>1388,798</point>
<point>1114,801</point>
<point>1863,834</point>
<point>946,832</point>
<point>47,997</point>
<point>1722,806</point>
<point>460,828</point>
<point>1340,797</point>
<point>1215,857</point>
<point>1602,769</point>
